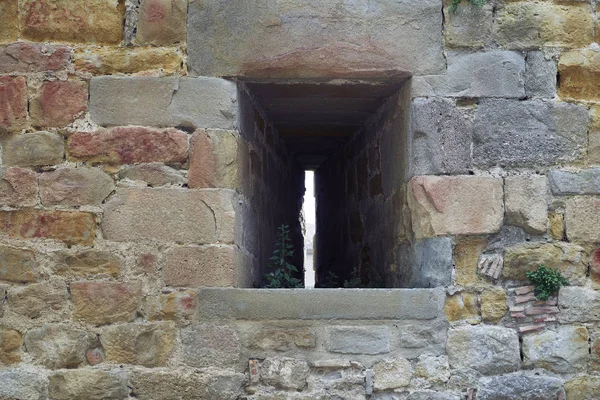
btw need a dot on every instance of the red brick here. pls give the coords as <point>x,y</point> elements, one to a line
<point>129,145</point>
<point>103,303</point>
<point>33,57</point>
<point>78,228</point>
<point>59,103</point>
<point>13,103</point>
<point>18,187</point>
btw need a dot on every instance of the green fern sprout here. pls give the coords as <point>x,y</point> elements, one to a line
<point>454,4</point>
<point>547,281</point>
<point>282,275</point>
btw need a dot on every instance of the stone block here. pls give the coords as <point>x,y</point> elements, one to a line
<point>76,228</point>
<point>556,225</point>
<point>582,219</point>
<point>568,183</point>
<point>170,215</point>
<point>150,345</point>
<point>394,373</point>
<point>9,21</point>
<point>33,57</point>
<point>434,369</point>
<point>489,350</point>
<point>89,384</point>
<point>578,305</point>
<point>129,145</point>
<point>59,103</point>
<point>18,265</point>
<point>103,303</point>
<point>540,75</point>
<point>175,306</point>
<point>512,133</point>
<point>154,174</point>
<point>519,386</point>
<point>33,149</point>
<point>415,339</point>
<point>18,187</point>
<point>75,187</point>
<point>579,75</point>
<point>455,205</point>
<point>462,306</point>
<point>22,384</point>
<point>493,304</point>
<point>358,340</point>
<point>11,342</point>
<point>128,60</point>
<point>284,373</point>
<point>89,262</point>
<point>583,388</point>
<point>45,300</point>
<point>208,345</point>
<point>58,346</point>
<point>594,136</point>
<point>525,203</point>
<point>283,339</point>
<point>77,21</point>
<point>565,350</point>
<point>214,160</point>
<point>467,252</point>
<point>13,103</point>
<point>468,27</point>
<point>270,40</point>
<point>200,266</point>
<point>162,22</point>
<point>430,260</point>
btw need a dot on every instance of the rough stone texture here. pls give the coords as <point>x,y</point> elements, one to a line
<point>565,183</point>
<point>89,262</point>
<point>18,187</point>
<point>149,345</point>
<point>200,266</point>
<point>583,388</point>
<point>519,386</point>
<point>462,306</point>
<point>594,136</point>
<point>283,339</point>
<point>95,21</point>
<point>59,103</point>
<point>128,60</point>
<point>162,22</point>
<point>565,350</point>
<point>33,57</point>
<point>69,227</point>
<point>11,342</point>
<point>9,21</point>
<point>88,384</point>
<point>210,345</point>
<point>22,384</point>
<point>358,340</point>
<point>556,225</point>
<point>13,103</point>
<point>460,205</point>
<point>433,368</point>
<point>33,149</point>
<point>582,219</point>
<point>103,303</point>
<point>514,133</point>
<point>420,338</point>
<point>441,137</point>
<point>46,300</point>
<point>59,346</point>
<point>214,160</point>
<point>468,27</point>
<point>525,203</point>
<point>170,215</point>
<point>154,174</point>
<point>392,374</point>
<point>595,266</point>
<point>174,306</point>
<point>493,305</point>
<point>268,40</point>
<point>579,71</point>
<point>431,261</point>
<point>489,350</point>
<point>285,373</point>
<point>540,75</point>
<point>466,257</point>
<point>18,265</point>
<point>75,187</point>
<point>578,305</point>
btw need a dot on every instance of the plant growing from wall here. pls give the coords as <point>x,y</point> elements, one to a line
<point>282,270</point>
<point>454,4</point>
<point>547,281</point>
<point>354,281</point>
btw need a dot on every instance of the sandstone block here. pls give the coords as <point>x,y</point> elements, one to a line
<point>207,345</point>
<point>128,60</point>
<point>392,374</point>
<point>566,183</point>
<point>18,187</point>
<point>33,57</point>
<point>75,187</point>
<point>13,103</point>
<point>358,340</point>
<point>565,350</point>
<point>94,21</point>
<point>466,258</point>
<point>526,204</point>
<point>18,265</point>
<point>174,306</point>
<point>462,306</point>
<point>507,135</point>
<point>579,71</point>
<point>33,149</point>
<point>200,266</point>
<point>283,339</point>
<point>129,145</point>
<point>103,303</point>
<point>284,373</point>
<point>582,219</point>
<point>89,262</point>
<point>594,136</point>
<point>521,386</point>
<point>9,21</point>
<point>595,266</point>
<point>415,339</point>
<point>578,305</point>
<point>540,76</point>
<point>162,22</point>
<point>456,205</point>
<point>21,384</point>
<point>433,368</point>
<point>78,228</point>
<point>468,27</point>
<point>214,160</point>
<point>149,345</point>
<point>11,342</point>
<point>89,384</point>
<point>59,103</point>
<point>556,225</point>
<point>489,350</point>
<point>59,346</point>
<point>170,215</point>
<point>46,300</point>
<point>583,388</point>
<point>154,174</point>
<point>493,305</point>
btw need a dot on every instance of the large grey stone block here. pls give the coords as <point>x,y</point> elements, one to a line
<point>317,304</point>
<point>417,338</point>
<point>578,304</point>
<point>540,76</point>
<point>299,38</point>
<point>21,384</point>
<point>519,386</point>
<point>358,339</point>
<point>515,133</point>
<point>565,183</point>
<point>564,350</point>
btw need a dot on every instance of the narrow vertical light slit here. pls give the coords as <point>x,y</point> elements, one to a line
<point>310,221</point>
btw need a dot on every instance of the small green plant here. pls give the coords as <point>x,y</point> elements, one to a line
<point>547,281</point>
<point>354,281</point>
<point>332,280</point>
<point>282,275</point>
<point>454,4</point>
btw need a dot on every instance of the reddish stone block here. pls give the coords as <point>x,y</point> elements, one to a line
<point>18,187</point>
<point>59,103</point>
<point>595,266</point>
<point>213,160</point>
<point>162,22</point>
<point>103,303</point>
<point>129,145</point>
<point>13,103</point>
<point>78,228</point>
<point>33,57</point>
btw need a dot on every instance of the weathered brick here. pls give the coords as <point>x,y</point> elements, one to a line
<point>11,342</point>
<point>207,345</point>
<point>462,306</point>
<point>582,219</point>
<point>579,75</point>
<point>162,22</point>
<point>18,265</point>
<point>103,303</point>
<point>89,262</point>
<point>69,227</point>
<point>13,103</point>
<point>9,21</point>
<point>200,266</point>
<point>18,187</point>
<point>493,304</point>
<point>75,187</point>
<point>565,350</point>
<point>154,174</point>
<point>33,149</point>
<point>214,160</point>
<point>75,21</point>
<point>59,103</point>
<point>45,300</point>
<point>59,345</point>
<point>89,384</point>
<point>33,57</point>
<point>170,215</point>
<point>456,205</point>
<point>129,145</point>
<point>526,204</point>
<point>128,60</point>
<point>358,340</point>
